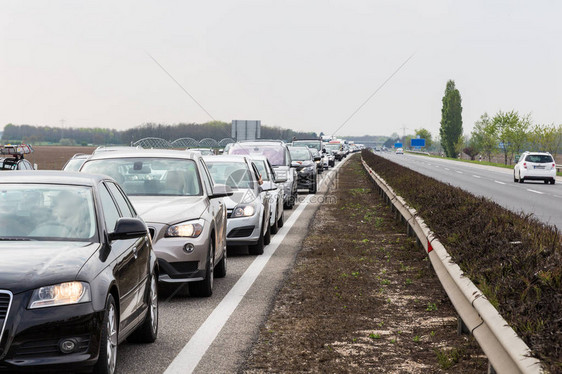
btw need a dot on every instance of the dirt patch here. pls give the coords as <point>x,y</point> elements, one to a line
<point>361,298</point>
<point>53,157</point>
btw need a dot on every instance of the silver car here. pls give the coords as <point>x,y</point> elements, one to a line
<point>278,155</point>
<point>184,211</point>
<point>276,194</point>
<point>248,207</point>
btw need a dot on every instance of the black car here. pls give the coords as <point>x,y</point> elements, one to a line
<point>77,273</point>
<point>14,157</point>
<point>304,163</point>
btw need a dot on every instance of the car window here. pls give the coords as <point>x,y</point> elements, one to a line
<point>207,180</point>
<point>234,174</point>
<point>124,205</point>
<point>540,159</point>
<point>262,169</point>
<point>310,144</point>
<point>111,214</point>
<point>299,153</point>
<point>150,176</point>
<point>274,152</point>
<point>47,212</point>
<point>257,172</point>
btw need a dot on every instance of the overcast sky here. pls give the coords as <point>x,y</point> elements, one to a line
<point>300,64</point>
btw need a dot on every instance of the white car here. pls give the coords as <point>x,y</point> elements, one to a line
<point>399,151</point>
<point>535,166</point>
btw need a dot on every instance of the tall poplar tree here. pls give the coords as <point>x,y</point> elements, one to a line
<point>451,120</point>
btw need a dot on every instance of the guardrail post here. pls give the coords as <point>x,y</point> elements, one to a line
<point>462,328</point>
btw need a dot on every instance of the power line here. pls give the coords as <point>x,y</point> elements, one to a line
<point>374,93</point>
<point>183,89</point>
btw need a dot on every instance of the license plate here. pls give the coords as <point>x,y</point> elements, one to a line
<point>538,167</point>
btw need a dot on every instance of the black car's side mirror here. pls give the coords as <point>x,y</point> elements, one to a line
<point>221,190</point>
<point>128,228</point>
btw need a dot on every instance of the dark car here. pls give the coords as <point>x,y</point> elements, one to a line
<point>14,157</point>
<point>77,275</point>
<point>307,173</point>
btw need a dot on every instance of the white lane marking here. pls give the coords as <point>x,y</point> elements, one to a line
<point>436,166</point>
<point>535,191</point>
<point>498,182</point>
<point>458,171</point>
<point>191,354</point>
<point>447,169</point>
<point>476,176</point>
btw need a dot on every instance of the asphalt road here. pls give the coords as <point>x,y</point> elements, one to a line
<point>215,334</point>
<point>542,200</point>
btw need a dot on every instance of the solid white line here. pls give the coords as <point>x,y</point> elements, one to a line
<point>476,176</point>
<point>535,191</point>
<point>192,353</point>
<point>498,182</point>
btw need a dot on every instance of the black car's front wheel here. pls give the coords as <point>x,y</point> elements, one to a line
<point>107,360</point>
<point>148,331</point>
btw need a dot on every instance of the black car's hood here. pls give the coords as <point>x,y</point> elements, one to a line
<point>26,265</point>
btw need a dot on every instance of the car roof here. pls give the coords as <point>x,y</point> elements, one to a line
<point>140,153</point>
<point>537,153</point>
<point>258,157</point>
<point>53,177</point>
<point>229,158</point>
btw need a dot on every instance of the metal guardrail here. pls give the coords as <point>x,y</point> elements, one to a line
<point>506,352</point>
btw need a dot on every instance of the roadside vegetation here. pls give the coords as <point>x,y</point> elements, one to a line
<point>361,298</point>
<point>514,259</point>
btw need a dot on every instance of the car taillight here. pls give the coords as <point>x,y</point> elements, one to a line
<point>554,166</point>
<point>525,165</point>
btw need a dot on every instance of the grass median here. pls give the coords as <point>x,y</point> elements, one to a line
<point>514,259</point>
<point>361,297</point>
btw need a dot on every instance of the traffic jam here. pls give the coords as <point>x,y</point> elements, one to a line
<point>104,235</point>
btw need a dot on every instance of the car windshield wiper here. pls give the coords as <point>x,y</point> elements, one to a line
<point>8,238</point>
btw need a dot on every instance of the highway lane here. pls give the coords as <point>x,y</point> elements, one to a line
<point>181,317</point>
<point>542,200</point>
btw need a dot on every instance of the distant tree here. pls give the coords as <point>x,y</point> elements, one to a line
<point>471,149</point>
<point>547,138</point>
<point>389,143</point>
<point>485,136</point>
<point>512,132</point>
<point>425,134</point>
<point>451,120</point>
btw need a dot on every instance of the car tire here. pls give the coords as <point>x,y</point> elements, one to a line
<point>107,359</point>
<point>553,181</point>
<point>204,288</point>
<point>148,331</point>
<point>281,220</point>
<point>257,249</point>
<point>274,228</point>
<point>546,181</point>
<point>267,236</point>
<point>514,178</point>
<point>521,180</point>
<point>220,269</point>
<point>314,187</point>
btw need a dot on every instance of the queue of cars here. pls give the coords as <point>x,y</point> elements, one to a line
<point>87,247</point>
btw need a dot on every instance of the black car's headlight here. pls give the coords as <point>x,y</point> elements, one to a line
<point>243,211</point>
<point>188,229</point>
<point>60,294</point>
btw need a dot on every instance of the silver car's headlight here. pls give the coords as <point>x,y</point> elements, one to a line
<point>243,211</point>
<point>60,294</point>
<point>188,229</point>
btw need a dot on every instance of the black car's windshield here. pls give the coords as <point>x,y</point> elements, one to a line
<point>333,147</point>
<point>275,153</point>
<point>47,212</point>
<point>299,154</point>
<point>539,159</point>
<point>262,168</point>
<point>233,174</point>
<point>150,176</point>
<point>310,144</point>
